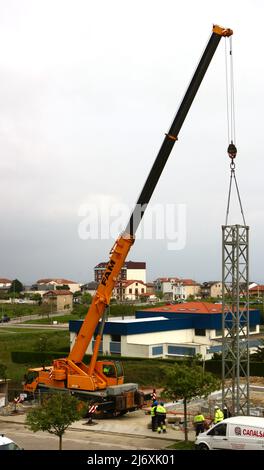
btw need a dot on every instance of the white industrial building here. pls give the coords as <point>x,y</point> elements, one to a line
<point>169,331</point>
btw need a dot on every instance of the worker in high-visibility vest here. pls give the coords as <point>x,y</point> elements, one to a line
<point>199,422</point>
<point>218,415</point>
<point>161,417</point>
<point>153,414</point>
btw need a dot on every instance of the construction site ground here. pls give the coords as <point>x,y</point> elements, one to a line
<point>131,431</point>
<point>127,432</point>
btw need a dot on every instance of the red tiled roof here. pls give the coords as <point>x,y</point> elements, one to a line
<point>257,289</point>
<point>188,282</point>
<point>3,280</point>
<point>167,279</point>
<point>128,283</point>
<point>58,281</point>
<point>189,307</point>
<point>58,292</point>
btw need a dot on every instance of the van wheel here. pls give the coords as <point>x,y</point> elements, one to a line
<point>203,447</point>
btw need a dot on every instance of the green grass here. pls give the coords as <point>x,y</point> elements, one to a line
<point>24,340</point>
<point>182,445</point>
<point>18,310</point>
<point>48,321</point>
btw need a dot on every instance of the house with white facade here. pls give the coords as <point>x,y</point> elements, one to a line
<point>5,284</point>
<point>54,283</point>
<point>129,290</point>
<point>185,288</point>
<point>164,285</point>
<point>130,270</point>
<point>169,331</point>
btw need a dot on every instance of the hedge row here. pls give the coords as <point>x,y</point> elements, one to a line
<point>30,357</point>
<point>43,358</point>
<point>256,368</point>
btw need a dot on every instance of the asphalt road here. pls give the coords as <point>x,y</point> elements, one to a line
<point>80,440</point>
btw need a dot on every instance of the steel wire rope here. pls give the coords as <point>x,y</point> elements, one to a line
<point>231,126</point>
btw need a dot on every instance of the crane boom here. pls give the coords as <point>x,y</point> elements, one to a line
<point>124,242</point>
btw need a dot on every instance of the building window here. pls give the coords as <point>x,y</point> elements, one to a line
<point>130,291</point>
<point>200,332</point>
<point>181,351</point>
<point>157,350</point>
<point>218,332</point>
<point>252,328</point>
<point>142,291</point>
<point>115,348</point>
<point>116,338</point>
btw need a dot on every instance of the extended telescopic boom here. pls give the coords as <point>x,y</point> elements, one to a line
<point>123,244</point>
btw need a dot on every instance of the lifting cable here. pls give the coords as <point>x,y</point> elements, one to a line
<point>231,131</point>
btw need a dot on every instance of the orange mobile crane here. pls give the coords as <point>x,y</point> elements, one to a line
<point>105,386</point>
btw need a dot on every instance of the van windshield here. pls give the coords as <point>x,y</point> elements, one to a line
<point>9,446</point>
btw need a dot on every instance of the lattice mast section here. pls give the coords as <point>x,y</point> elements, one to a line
<point>235,318</point>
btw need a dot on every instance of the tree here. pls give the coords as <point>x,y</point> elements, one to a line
<point>86,298</point>
<point>159,295</point>
<point>184,381</point>
<point>63,287</point>
<point>55,415</point>
<point>3,369</point>
<point>16,286</point>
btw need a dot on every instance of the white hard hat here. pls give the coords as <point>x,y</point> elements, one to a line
<point>216,407</point>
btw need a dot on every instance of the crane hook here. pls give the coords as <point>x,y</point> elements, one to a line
<point>232,150</point>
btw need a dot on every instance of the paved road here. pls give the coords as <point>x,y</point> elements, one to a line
<point>88,439</point>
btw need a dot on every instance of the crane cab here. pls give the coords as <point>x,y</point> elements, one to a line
<point>112,372</point>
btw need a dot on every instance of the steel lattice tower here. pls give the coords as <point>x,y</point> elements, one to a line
<point>235,318</point>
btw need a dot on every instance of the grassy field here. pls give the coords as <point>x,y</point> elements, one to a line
<point>145,373</point>
<point>48,321</point>
<point>18,310</point>
<point>13,339</point>
<point>182,445</point>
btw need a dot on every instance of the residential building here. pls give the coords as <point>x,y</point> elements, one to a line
<point>169,331</point>
<point>256,291</point>
<point>211,289</point>
<point>164,286</point>
<point>185,288</point>
<point>5,284</point>
<point>59,300</point>
<point>150,288</point>
<point>89,288</point>
<point>54,283</point>
<point>131,270</point>
<point>129,290</point>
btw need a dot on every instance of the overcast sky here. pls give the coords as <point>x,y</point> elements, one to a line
<point>87,91</point>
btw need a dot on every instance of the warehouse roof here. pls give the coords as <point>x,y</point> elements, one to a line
<point>189,307</point>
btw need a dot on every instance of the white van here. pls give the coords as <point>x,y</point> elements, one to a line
<point>237,433</point>
<point>8,444</point>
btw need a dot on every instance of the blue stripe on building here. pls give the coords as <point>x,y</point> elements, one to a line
<point>172,321</point>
